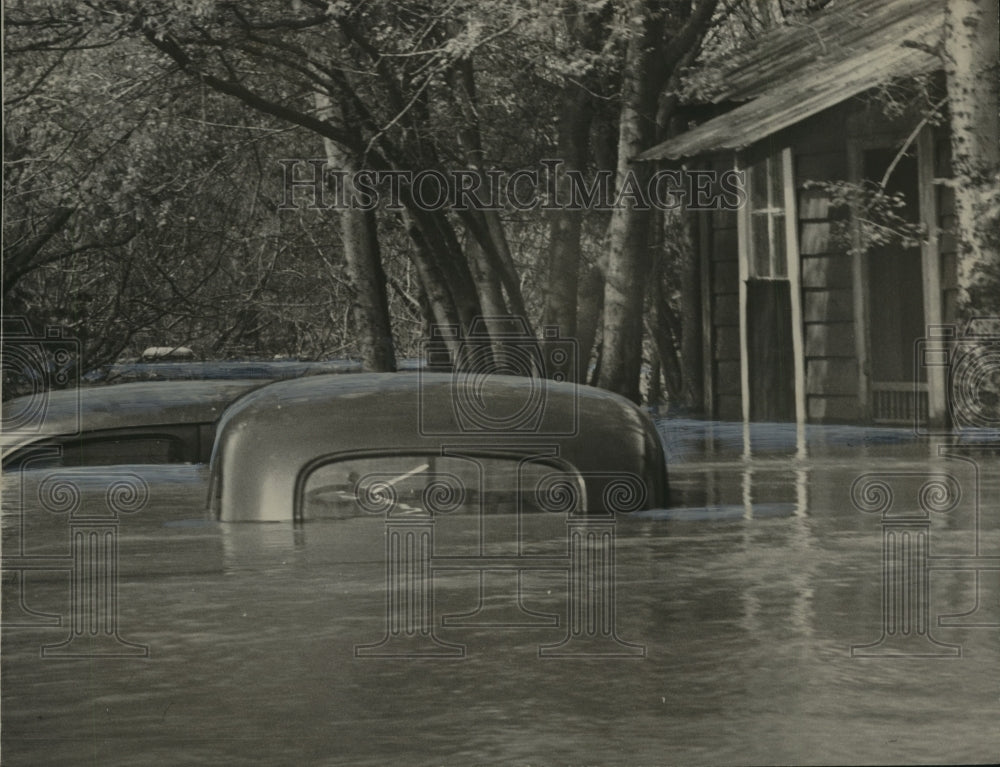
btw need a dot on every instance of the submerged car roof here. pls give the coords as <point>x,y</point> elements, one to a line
<point>36,418</point>
<point>179,370</point>
<point>271,437</point>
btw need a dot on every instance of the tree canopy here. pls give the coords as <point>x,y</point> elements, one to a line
<point>153,147</point>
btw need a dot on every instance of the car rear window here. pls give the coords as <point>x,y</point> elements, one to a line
<point>123,450</point>
<point>436,484</point>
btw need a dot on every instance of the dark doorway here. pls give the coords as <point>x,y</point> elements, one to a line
<point>769,347</point>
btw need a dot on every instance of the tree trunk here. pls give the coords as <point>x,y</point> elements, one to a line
<point>496,271</point>
<point>661,330</point>
<point>438,243</point>
<point>490,290</point>
<point>566,223</point>
<point>625,277</point>
<point>590,304</point>
<point>651,59</point>
<point>363,259</point>
<point>971,68</point>
<point>433,285</point>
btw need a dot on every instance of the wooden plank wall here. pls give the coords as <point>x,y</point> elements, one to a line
<point>723,266</point>
<point>831,366</point>
<point>827,290</point>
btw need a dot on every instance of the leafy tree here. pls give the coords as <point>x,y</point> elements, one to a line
<point>175,114</point>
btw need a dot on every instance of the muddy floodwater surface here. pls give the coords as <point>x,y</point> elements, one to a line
<point>828,595</point>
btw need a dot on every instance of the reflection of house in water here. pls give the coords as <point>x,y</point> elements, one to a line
<point>799,323</point>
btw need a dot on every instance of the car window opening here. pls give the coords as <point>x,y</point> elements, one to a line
<point>428,485</point>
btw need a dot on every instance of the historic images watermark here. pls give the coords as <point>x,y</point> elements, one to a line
<point>969,358</point>
<point>314,185</point>
<point>502,346</point>
<point>91,503</point>
<point>412,557</point>
<point>504,464</point>
<point>909,501</point>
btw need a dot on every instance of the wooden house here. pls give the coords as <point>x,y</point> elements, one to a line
<point>801,320</point>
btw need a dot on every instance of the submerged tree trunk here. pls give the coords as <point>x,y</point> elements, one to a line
<point>625,277</point>
<point>359,236</point>
<point>590,305</point>
<point>438,243</point>
<point>566,223</point>
<point>652,56</point>
<point>971,68</point>
<point>570,303</point>
<point>438,302</point>
<point>488,249</point>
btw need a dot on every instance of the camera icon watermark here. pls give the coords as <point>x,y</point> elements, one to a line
<point>499,346</point>
<point>971,364</point>
<point>33,365</point>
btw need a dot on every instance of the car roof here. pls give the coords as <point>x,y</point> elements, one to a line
<point>148,403</point>
<point>179,370</point>
<point>269,438</point>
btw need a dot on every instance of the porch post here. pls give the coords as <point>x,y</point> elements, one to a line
<point>859,281</point>
<point>931,267</point>
<point>743,232</point>
<point>794,283</point>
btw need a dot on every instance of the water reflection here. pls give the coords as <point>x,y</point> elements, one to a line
<point>687,439</point>
<point>938,489</point>
<point>747,489</point>
<point>747,597</point>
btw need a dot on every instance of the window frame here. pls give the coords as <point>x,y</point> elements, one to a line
<point>773,211</point>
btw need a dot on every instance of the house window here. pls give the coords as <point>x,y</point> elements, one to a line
<point>766,241</point>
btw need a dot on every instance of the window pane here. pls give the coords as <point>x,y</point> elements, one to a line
<point>777,182</point>
<point>760,246</point>
<point>780,258</point>
<point>758,186</point>
<point>766,236</point>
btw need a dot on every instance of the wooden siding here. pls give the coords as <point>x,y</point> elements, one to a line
<point>724,341</point>
<point>827,287</point>
<point>821,146</point>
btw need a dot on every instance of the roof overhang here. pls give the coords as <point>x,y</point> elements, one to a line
<point>826,82</point>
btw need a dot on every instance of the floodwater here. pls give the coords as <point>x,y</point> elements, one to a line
<point>762,619</point>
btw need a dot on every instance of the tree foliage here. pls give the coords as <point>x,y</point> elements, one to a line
<point>144,181</point>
